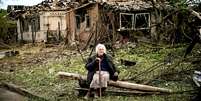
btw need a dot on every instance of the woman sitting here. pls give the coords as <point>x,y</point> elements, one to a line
<point>101,69</point>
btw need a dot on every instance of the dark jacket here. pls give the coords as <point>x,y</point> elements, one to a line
<point>92,66</point>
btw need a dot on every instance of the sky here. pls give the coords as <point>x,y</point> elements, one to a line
<point>5,3</point>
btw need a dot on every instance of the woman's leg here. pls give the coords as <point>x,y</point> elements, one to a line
<point>103,90</point>
<point>97,84</point>
<point>89,93</point>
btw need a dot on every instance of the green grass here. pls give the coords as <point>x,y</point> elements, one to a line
<point>40,77</point>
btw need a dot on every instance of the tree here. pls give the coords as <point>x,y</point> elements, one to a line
<point>7,27</point>
<point>173,18</point>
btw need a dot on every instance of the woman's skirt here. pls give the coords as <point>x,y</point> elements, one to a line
<point>103,81</point>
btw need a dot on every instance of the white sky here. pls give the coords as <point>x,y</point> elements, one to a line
<point>19,2</point>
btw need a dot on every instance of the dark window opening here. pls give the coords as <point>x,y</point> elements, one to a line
<point>126,21</point>
<point>78,21</point>
<point>142,21</point>
<point>87,21</point>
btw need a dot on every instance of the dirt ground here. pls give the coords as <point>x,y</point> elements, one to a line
<point>6,95</point>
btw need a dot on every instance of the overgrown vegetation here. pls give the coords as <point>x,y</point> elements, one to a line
<point>36,67</point>
<point>7,28</point>
<point>175,22</point>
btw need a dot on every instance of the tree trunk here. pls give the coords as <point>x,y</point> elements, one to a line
<point>120,84</point>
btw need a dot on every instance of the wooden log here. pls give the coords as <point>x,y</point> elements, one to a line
<point>120,84</point>
<point>71,76</point>
<point>141,87</point>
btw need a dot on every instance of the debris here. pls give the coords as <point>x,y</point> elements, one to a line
<point>127,62</point>
<point>8,54</point>
<point>197,78</point>
<point>123,92</point>
<point>11,53</point>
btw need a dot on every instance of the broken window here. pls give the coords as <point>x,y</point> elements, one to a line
<point>126,21</point>
<point>78,21</point>
<point>142,21</point>
<point>87,21</point>
<point>137,21</point>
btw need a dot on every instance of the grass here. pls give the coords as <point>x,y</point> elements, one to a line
<point>35,70</point>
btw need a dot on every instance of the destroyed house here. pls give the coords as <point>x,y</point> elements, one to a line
<point>15,7</point>
<point>44,22</point>
<point>83,20</point>
<point>108,20</point>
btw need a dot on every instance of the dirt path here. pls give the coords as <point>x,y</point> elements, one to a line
<point>6,95</point>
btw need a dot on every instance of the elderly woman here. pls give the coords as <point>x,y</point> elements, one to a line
<point>100,70</point>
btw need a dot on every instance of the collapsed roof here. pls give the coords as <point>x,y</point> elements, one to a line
<point>130,5</point>
<point>62,5</point>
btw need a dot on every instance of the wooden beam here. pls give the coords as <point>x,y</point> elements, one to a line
<point>140,87</point>
<point>120,84</point>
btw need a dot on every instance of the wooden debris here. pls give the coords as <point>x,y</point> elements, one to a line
<point>123,92</point>
<point>9,53</point>
<point>127,62</point>
<point>120,84</point>
<point>195,13</point>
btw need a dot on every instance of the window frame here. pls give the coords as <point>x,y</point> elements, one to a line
<point>120,22</point>
<point>149,23</point>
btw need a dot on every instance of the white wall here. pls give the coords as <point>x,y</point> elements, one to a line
<point>46,17</point>
<point>53,18</point>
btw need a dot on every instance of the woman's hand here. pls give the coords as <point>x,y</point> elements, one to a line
<point>98,59</point>
<point>115,76</point>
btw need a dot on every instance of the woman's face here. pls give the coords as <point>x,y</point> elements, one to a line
<point>100,51</point>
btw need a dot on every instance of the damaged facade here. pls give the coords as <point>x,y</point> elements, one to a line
<point>84,20</point>
<point>108,21</point>
<point>41,23</point>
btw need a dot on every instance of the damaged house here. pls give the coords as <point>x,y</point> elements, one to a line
<point>108,21</point>
<point>84,21</point>
<point>43,22</point>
